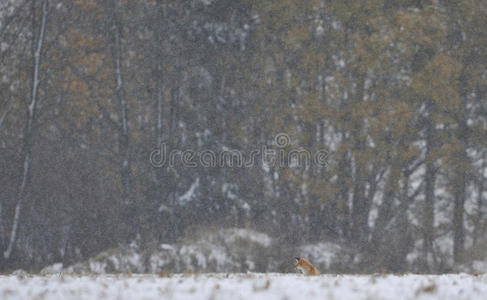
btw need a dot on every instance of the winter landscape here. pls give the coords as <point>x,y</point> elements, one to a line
<point>193,149</point>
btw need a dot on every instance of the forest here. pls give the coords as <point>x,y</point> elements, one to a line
<point>379,107</point>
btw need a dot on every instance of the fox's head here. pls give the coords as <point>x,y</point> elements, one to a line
<point>301,262</point>
<point>303,265</point>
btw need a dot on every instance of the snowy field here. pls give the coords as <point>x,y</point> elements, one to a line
<point>244,286</point>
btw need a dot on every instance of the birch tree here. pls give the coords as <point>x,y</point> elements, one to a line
<point>26,152</point>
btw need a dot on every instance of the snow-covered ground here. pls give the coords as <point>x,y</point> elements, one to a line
<point>244,286</point>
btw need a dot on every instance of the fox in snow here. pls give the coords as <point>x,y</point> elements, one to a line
<point>306,267</point>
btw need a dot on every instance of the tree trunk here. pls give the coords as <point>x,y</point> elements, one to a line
<point>28,131</point>
<point>477,230</point>
<point>359,205</point>
<point>4,114</point>
<point>124,139</point>
<point>429,179</point>
<point>403,224</point>
<point>385,213</point>
<point>460,186</point>
<point>342,194</point>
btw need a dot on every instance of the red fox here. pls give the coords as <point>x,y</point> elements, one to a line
<point>306,267</point>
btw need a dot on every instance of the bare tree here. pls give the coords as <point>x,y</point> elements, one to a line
<point>38,41</point>
<point>116,30</point>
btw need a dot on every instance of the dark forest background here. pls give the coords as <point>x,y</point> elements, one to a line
<point>393,91</point>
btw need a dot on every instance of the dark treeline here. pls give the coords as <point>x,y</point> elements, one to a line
<point>393,91</point>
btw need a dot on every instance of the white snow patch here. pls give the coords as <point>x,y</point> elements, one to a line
<point>189,195</point>
<point>245,286</point>
<point>321,254</point>
<point>223,250</point>
<point>52,269</point>
<point>234,234</point>
<point>320,30</point>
